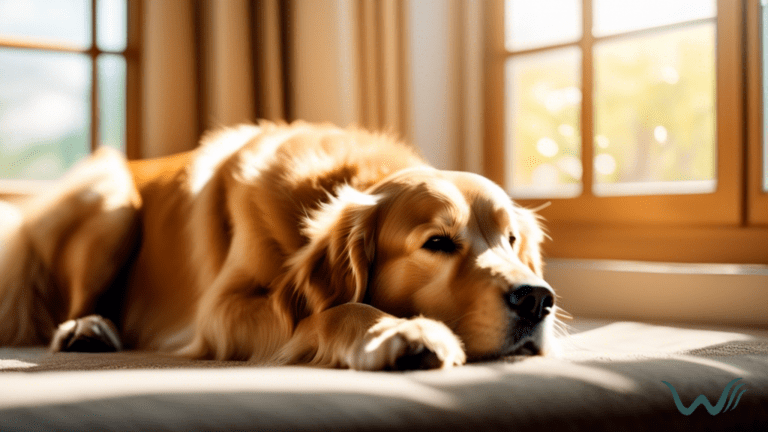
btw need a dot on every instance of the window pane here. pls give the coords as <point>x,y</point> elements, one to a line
<point>112,24</point>
<point>51,20</point>
<point>531,24</point>
<point>654,113</point>
<point>44,114</point>
<point>543,138</point>
<point>112,101</point>
<point>617,16</point>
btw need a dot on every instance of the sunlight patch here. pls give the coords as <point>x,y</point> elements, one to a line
<point>15,364</point>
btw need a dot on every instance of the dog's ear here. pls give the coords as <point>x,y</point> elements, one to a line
<point>530,238</point>
<point>333,267</point>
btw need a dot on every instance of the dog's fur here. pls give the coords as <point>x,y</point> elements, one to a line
<point>282,244</point>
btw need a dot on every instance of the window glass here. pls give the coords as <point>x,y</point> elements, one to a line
<point>543,136</point>
<point>654,99</point>
<point>112,100</point>
<point>617,16</point>
<point>44,114</point>
<point>112,24</point>
<point>532,24</point>
<point>63,21</point>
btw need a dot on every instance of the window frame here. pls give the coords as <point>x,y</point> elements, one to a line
<point>10,188</point>
<point>711,227</point>
<point>757,204</point>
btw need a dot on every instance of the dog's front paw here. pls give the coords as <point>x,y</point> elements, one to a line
<point>93,333</point>
<point>407,344</point>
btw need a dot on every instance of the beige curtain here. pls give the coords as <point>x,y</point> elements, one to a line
<point>404,46</point>
<point>384,97</point>
<point>349,63</point>
<point>422,75</point>
<point>210,63</point>
<point>206,64</point>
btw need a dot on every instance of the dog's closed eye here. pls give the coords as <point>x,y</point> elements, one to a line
<point>441,243</point>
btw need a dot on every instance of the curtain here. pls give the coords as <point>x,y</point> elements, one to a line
<point>207,64</point>
<point>381,27</point>
<point>372,63</point>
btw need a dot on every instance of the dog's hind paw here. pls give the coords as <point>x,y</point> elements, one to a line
<point>92,333</point>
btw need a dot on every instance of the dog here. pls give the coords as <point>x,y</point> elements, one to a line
<point>278,244</point>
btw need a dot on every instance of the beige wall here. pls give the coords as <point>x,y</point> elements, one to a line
<point>692,293</point>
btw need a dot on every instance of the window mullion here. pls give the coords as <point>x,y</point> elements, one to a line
<point>133,81</point>
<point>94,53</point>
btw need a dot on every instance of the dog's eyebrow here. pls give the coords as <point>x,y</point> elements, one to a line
<point>447,218</point>
<point>489,218</point>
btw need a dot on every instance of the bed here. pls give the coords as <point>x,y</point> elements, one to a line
<point>608,376</point>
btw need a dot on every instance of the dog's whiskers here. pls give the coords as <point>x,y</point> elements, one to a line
<point>561,313</point>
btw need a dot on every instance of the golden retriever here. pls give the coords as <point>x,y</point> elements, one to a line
<point>280,244</point>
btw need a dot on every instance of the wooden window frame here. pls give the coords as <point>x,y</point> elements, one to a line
<point>727,225</point>
<point>132,54</point>
<point>757,202</point>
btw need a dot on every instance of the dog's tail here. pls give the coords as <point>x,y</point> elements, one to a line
<point>25,284</point>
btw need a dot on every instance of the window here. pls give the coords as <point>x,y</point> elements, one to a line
<point>632,119</point>
<point>68,86</point>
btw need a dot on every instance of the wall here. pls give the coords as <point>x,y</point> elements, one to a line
<point>692,293</point>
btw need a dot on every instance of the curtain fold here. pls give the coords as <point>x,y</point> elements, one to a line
<point>384,85</point>
<point>270,47</point>
<point>208,64</point>
<point>212,63</point>
<point>168,117</point>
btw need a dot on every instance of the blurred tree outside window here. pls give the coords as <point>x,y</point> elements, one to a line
<point>653,97</point>
<point>49,57</point>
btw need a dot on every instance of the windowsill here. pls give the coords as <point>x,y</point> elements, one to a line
<point>714,294</point>
<point>656,188</point>
<point>660,243</point>
<point>661,267</point>
<point>18,189</point>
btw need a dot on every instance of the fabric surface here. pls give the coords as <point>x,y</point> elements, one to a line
<point>607,377</point>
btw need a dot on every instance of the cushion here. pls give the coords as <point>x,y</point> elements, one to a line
<point>608,376</point>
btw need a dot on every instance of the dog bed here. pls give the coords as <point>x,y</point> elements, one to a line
<point>607,377</point>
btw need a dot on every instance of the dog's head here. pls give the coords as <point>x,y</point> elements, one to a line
<point>450,246</point>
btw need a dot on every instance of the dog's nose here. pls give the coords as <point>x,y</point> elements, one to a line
<point>531,302</point>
